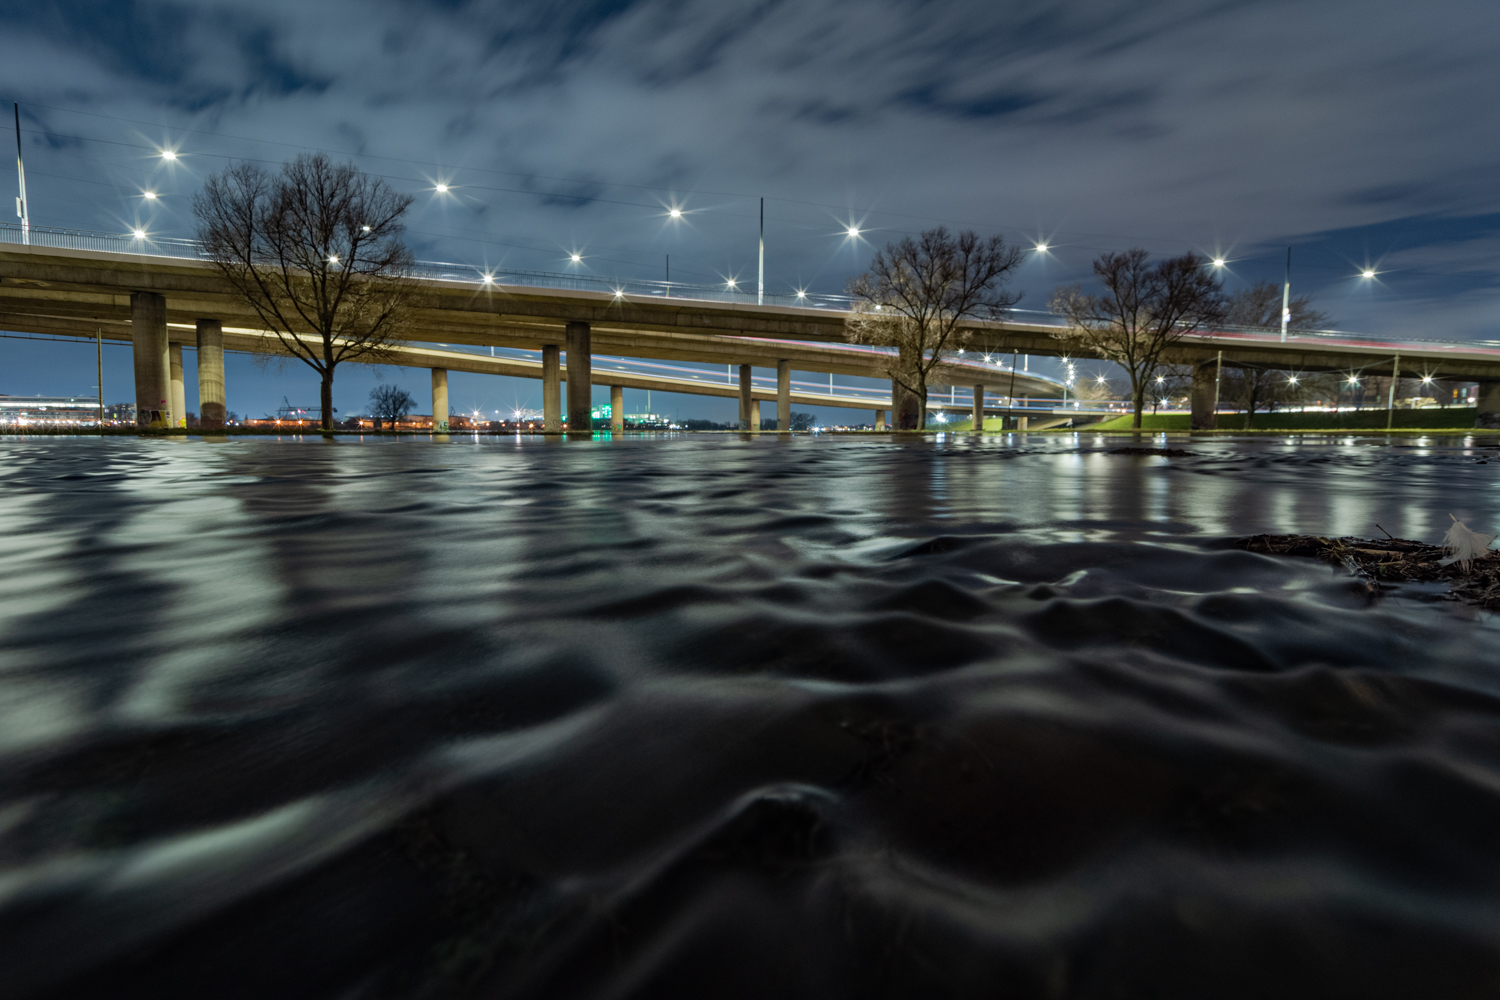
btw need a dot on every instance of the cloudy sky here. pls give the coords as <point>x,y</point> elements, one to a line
<point>1361,134</point>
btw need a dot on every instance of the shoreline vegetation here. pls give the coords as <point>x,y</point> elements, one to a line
<point>1382,561</point>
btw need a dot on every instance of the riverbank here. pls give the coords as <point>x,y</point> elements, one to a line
<point>1453,418</point>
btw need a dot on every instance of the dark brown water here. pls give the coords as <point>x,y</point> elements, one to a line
<point>726,718</point>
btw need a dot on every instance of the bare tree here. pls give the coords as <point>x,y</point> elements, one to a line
<point>389,403</point>
<point>317,252</point>
<point>916,296</point>
<point>1145,310</point>
<point>1260,306</point>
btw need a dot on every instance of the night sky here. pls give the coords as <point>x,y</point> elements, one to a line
<point>1363,134</point>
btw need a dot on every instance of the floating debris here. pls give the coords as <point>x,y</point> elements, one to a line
<point>1393,560</point>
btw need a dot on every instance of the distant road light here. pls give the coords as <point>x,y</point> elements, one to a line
<point>676,213</point>
<point>489,279</point>
<point>442,189</point>
<point>801,294</point>
<point>150,195</point>
<point>1368,274</point>
<point>1041,248</point>
<point>853,230</point>
<point>333,259</point>
<point>168,154</point>
<point>139,234</point>
<point>575,258</point>
<point>1219,262</point>
<point>730,283</point>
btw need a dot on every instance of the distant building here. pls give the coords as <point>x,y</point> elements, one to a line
<point>54,411</point>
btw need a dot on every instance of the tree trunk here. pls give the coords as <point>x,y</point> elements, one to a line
<point>922,407</point>
<point>1137,401</point>
<point>327,399</point>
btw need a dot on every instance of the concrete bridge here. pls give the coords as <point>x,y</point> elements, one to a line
<point>142,296</point>
<point>162,304</point>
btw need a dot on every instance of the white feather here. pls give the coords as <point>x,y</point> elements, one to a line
<point>1464,545</point>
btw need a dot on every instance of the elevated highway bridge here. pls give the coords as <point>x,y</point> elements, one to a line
<point>163,297</point>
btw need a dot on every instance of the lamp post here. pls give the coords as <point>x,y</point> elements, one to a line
<point>22,209</point>
<point>1286,296</point>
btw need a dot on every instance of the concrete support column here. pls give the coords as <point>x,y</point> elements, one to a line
<point>211,399</point>
<point>440,401</point>
<point>148,344</point>
<point>745,399</point>
<point>906,407</point>
<point>783,397</point>
<point>979,409</point>
<point>617,407</point>
<point>755,414</point>
<point>580,378</point>
<point>1489,405</point>
<point>1205,374</point>
<point>880,420</point>
<point>1021,423</point>
<point>179,391</point>
<point>551,389</point>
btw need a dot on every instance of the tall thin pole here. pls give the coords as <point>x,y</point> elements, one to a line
<point>99,332</point>
<point>759,297</point>
<point>22,209</point>
<point>1390,399</point>
<point>669,276</point>
<point>1286,295</point>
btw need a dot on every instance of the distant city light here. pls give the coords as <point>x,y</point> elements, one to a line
<point>1160,379</point>
<point>1426,379</point>
<point>1041,248</point>
<point>730,283</point>
<point>150,195</point>
<point>676,213</point>
<point>1292,380</point>
<point>801,294</point>
<point>333,259</point>
<point>1367,274</point>
<point>853,230</point>
<point>365,228</point>
<point>575,257</point>
<point>1353,380</point>
<point>1219,262</point>
<point>168,154</point>
<point>442,189</point>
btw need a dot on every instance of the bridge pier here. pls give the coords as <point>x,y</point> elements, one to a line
<point>617,408</point>
<point>179,391</point>
<point>755,414</point>
<point>783,397</point>
<point>580,378</point>
<point>211,408</point>
<point>745,398</point>
<point>440,401</point>
<point>1489,405</point>
<point>148,346</point>
<point>1021,423</point>
<point>551,389</point>
<point>1204,396</point>
<point>880,420</point>
<point>978,418</point>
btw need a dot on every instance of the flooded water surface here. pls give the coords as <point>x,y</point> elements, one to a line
<point>723,717</point>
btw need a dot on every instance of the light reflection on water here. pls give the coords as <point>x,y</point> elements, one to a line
<point>838,716</point>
